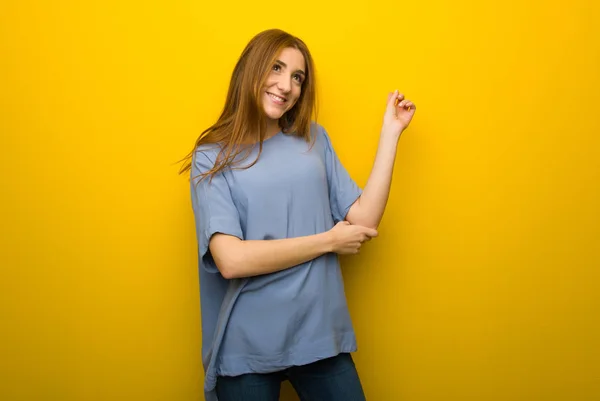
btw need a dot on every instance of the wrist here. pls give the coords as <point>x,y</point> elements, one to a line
<point>389,138</point>
<point>326,241</point>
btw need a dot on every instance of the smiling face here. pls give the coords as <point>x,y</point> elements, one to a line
<point>284,83</point>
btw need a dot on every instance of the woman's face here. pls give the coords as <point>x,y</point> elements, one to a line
<point>284,83</point>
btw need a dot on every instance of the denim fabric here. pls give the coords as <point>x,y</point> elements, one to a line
<point>331,379</point>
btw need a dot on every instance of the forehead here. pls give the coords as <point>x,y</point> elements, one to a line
<point>293,58</point>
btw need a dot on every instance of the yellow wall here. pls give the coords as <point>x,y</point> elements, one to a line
<point>484,283</point>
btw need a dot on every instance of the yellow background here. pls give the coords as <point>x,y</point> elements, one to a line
<point>484,283</point>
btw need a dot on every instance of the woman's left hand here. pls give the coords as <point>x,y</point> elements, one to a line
<point>397,116</point>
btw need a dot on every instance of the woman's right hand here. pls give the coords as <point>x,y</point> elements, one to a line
<point>346,238</point>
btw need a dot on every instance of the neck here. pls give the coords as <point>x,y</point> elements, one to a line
<point>272,128</point>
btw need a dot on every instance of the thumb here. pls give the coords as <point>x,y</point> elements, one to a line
<point>371,232</point>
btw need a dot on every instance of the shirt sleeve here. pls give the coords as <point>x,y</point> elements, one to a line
<point>343,190</point>
<point>214,209</point>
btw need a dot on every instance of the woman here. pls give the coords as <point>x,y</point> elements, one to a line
<point>274,207</point>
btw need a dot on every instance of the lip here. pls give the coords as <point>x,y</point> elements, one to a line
<point>276,101</point>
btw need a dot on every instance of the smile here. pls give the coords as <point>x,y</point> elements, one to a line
<point>276,99</point>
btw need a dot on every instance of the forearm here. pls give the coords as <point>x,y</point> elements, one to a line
<point>236,258</point>
<point>369,208</point>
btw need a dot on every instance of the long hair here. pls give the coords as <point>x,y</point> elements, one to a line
<point>243,118</point>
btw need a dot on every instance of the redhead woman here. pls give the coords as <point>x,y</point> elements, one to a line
<point>274,207</point>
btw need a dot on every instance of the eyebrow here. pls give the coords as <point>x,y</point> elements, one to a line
<point>285,65</point>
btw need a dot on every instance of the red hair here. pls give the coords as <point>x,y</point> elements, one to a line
<point>243,119</point>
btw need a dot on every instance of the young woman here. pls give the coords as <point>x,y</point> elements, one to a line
<point>274,206</point>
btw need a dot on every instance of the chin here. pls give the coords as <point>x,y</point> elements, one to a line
<point>274,114</point>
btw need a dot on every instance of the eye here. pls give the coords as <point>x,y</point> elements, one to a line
<point>276,67</point>
<point>298,77</point>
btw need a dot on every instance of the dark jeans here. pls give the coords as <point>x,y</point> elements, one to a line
<point>331,379</point>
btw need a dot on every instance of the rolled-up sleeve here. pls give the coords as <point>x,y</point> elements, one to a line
<point>214,209</point>
<point>343,190</point>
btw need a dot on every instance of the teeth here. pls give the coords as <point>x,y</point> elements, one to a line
<point>279,99</point>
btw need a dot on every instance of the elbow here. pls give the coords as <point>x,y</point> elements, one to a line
<point>225,271</point>
<point>369,224</point>
<point>227,274</point>
<point>358,215</point>
<point>227,256</point>
<point>229,267</point>
<point>374,226</point>
<point>364,221</point>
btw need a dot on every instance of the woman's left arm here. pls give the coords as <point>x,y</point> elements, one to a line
<point>369,207</point>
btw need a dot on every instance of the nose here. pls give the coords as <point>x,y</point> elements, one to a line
<point>284,84</point>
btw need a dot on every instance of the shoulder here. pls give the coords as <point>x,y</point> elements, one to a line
<point>319,134</point>
<point>321,137</point>
<point>205,156</point>
<point>317,129</point>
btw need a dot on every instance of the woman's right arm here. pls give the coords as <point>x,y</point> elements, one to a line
<point>236,258</point>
